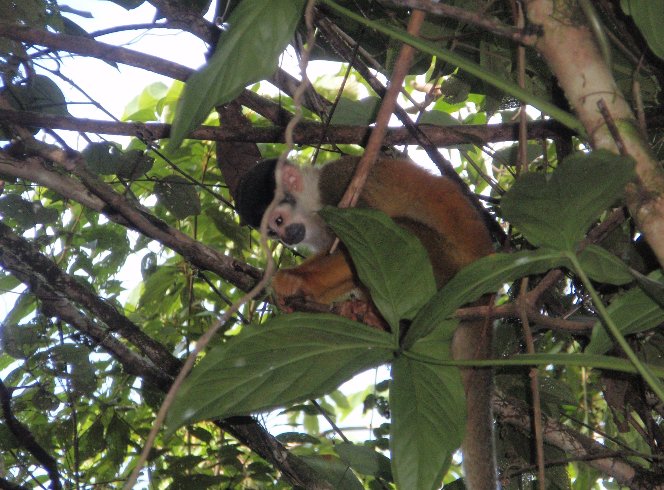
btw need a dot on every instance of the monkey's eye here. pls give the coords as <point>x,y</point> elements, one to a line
<point>279,220</point>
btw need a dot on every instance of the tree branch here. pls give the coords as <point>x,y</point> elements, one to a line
<point>484,22</point>
<point>306,132</point>
<point>27,440</point>
<point>52,287</point>
<point>515,413</point>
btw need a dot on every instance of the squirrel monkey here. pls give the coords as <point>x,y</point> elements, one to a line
<point>433,208</point>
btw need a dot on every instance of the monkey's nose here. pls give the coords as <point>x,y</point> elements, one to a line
<point>294,234</point>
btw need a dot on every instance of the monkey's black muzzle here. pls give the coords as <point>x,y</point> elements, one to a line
<point>293,234</point>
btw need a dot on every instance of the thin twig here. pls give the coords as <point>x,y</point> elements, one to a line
<point>534,384</point>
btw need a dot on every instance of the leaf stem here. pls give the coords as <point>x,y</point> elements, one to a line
<point>608,363</point>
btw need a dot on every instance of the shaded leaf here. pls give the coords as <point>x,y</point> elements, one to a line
<point>39,94</point>
<point>647,15</point>
<point>103,158</point>
<point>365,460</point>
<point>556,210</point>
<point>428,419</point>
<point>399,288</point>
<point>133,164</point>
<point>26,213</point>
<point>178,196</point>
<point>334,471</point>
<point>356,112</point>
<point>602,266</point>
<point>633,312</point>
<point>483,276</point>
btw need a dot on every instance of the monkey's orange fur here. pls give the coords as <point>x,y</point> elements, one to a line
<point>433,208</point>
<point>454,235</point>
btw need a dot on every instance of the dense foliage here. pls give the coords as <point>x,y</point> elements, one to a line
<point>117,254</point>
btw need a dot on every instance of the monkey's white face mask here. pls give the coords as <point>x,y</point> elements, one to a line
<point>293,216</point>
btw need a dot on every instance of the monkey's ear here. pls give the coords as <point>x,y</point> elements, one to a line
<point>291,178</point>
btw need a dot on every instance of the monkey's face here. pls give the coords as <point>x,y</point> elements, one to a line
<point>285,224</point>
<point>296,225</point>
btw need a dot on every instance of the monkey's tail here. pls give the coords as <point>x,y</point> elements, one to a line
<point>472,340</point>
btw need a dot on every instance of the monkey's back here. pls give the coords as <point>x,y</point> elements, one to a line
<point>420,202</point>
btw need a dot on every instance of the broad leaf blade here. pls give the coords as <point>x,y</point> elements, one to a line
<point>365,460</point>
<point>483,276</point>
<point>555,211</point>
<point>290,358</point>
<point>428,419</point>
<point>602,266</point>
<point>259,30</point>
<point>633,312</point>
<point>389,260</point>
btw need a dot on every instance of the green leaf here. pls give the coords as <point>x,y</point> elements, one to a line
<point>428,419</point>
<point>647,15</point>
<point>356,112</point>
<point>178,195</point>
<point>399,288</point>
<point>365,460</point>
<point>259,30</point>
<point>287,359</point>
<point>133,164</point>
<point>556,211</point>
<point>651,287</point>
<point>334,471</point>
<point>483,276</point>
<point>602,266</point>
<point>26,213</point>
<point>39,94</point>
<point>509,155</point>
<point>633,312</point>
<point>103,158</point>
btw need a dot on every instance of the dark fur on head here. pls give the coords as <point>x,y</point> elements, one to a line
<point>256,192</point>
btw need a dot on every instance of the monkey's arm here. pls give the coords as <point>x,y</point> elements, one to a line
<point>322,278</point>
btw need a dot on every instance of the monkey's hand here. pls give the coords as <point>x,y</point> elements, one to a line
<point>322,279</point>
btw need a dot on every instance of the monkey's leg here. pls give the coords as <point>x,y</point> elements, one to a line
<point>322,278</point>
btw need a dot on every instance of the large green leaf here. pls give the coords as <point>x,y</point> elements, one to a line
<point>647,15</point>
<point>178,195</point>
<point>428,419</point>
<point>389,260</point>
<point>258,32</point>
<point>483,276</point>
<point>556,210</point>
<point>290,358</point>
<point>365,460</point>
<point>633,312</point>
<point>602,266</point>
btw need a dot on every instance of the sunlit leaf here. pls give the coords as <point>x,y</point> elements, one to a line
<point>248,51</point>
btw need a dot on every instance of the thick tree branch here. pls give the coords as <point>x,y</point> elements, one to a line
<point>483,21</point>
<point>306,133</point>
<point>58,290</point>
<point>26,439</point>
<point>54,289</point>
<point>515,413</point>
